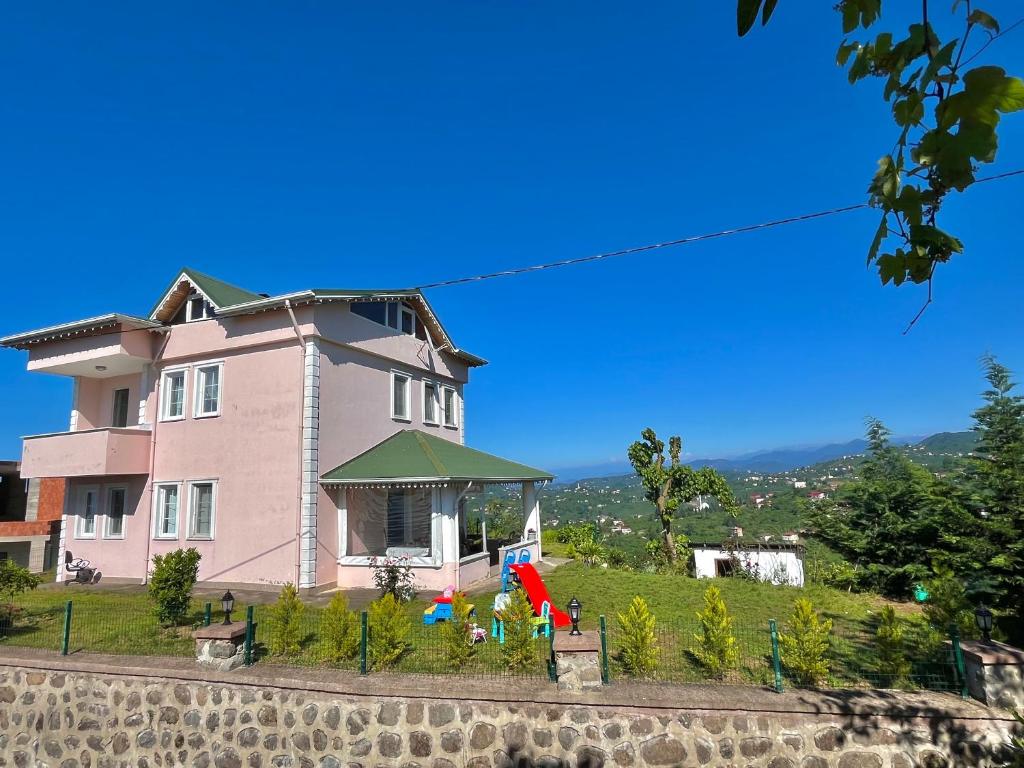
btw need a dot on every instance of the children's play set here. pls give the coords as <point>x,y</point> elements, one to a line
<point>514,575</point>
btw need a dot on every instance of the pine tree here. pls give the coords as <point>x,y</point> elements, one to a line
<point>340,630</point>
<point>519,651</point>
<point>996,487</point>
<point>456,635</point>
<point>639,650</point>
<point>805,644</point>
<point>286,622</point>
<point>889,643</point>
<point>389,628</point>
<point>716,646</point>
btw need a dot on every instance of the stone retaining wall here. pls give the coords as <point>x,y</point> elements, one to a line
<point>90,720</point>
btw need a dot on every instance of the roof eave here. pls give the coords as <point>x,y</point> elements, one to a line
<point>437,479</point>
<point>131,323</point>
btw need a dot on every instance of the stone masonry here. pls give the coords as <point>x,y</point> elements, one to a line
<point>68,719</point>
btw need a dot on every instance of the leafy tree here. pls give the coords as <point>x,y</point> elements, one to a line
<point>286,622</point>
<point>947,603</point>
<point>389,628</point>
<point>589,552</point>
<point>995,485</point>
<point>890,646</point>
<point>393,576</point>
<point>504,520</point>
<point>669,486</point>
<point>340,630</point>
<point>639,651</point>
<point>14,580</point>
<point>716,645</point>
<point>456,635</point>
<point>519,651</point>
<point>946,117</point>
<point>171,582</point>
<point>805,644</point>
<point>891,521</point>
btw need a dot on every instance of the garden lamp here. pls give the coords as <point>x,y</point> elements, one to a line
<point>983,618</point>
<point>574,615</point>
<point>228,604</point>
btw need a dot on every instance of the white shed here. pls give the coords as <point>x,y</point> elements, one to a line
<point>774,563</point>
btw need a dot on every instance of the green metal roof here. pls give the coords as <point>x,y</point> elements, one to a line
<point>220,293</point>
<point>411,455</point>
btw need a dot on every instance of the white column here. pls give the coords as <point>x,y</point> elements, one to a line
<point>531,511</point>
<point>342,502</point>
<point>61,543</point>
<point>310,464</point>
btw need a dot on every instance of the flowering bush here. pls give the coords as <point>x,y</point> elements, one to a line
<point>393,576</point>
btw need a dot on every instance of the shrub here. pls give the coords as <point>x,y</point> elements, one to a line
<point>14,579</point>
<point>716,646</point>
<point>389,631</point>
<point>171,582</point>
<point>340,630</point>
<point>519,651</point>
<point>393,576</point>
<point>577,533</point>
<point>1016,743</point>
<point>805,644</point>
<point>889,641</point>
<point>286,622</point>
<point>588,552</point>
<point>947,604</point>
<point>549,536</point>
<point>639,652</point>
<point>456,636</point>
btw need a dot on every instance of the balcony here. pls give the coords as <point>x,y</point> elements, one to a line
<point>87,453</point>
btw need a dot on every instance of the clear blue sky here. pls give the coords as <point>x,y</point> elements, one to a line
<point>290,145</point>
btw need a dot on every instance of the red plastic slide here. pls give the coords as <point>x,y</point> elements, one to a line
<point>538,593</point>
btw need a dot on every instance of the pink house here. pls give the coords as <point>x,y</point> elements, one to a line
<point>287,438</point>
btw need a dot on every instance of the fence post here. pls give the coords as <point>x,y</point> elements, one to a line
<point>65,640</point>
<point>776,658</point>
<point>605,677</point>
<point>250,636</point>
<point>362,643</point>
<point>207,614</point>
<point>552,666</point>
<point>958,659</point>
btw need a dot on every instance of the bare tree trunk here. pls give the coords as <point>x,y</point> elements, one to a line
<point>670,548</point>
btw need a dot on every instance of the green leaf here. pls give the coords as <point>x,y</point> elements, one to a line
<point>876,242</point>
<point>929,235</point>
<point>908,111</point>
<point>843,54</point>
<point>769,9</point>
<point>983,19</point>
<point>746,15</point>
<point>943,58</point>
<point>988,91</point>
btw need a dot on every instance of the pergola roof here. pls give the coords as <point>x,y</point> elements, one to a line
<point>412,456</point>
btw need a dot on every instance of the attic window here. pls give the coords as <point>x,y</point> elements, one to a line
<point>394,314</point>
<point>197,308</point>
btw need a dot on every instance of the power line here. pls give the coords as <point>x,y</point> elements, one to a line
<point>672,243</point>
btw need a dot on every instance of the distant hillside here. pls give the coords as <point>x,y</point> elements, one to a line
<point>784,459</point>
<point>950,442</point>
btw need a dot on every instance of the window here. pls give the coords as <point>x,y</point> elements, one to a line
<point>377,311</point>
<point>119,416</point>
<point>207,395</point>
<point>197,308</point>
<point>430,403</point>
<point>85,527</point>
<point>115,513</point>
<point>173,396</point>
<point>450,402</point>
<point>393,315</point>
<point>390,523</point>
<point>408,320</point>
<point>166,511</point>
<point>400,406</point>
<point>398,315</point>
<point>201,509</point>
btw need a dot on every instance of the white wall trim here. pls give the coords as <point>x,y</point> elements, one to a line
<point>63,528</point>
<point>73,425</point>
<point>310,463</point>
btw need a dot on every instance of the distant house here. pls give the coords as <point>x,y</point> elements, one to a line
<point>775,563</point>
<point>791,537</point>
<point>30,513</point>
<point>737,532</point>
<point>799,483</point>
<point>816,495</point>
<point>758,500</point>
<point>766,537</point>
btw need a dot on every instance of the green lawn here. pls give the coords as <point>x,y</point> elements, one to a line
<point>124,623</point>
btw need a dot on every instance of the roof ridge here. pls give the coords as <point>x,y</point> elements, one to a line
<point>421,438</point>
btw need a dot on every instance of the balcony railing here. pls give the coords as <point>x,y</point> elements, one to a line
<point>90,452</point>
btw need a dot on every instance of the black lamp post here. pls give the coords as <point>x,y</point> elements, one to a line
<point>228,604</point>
<point>983,619</point>
<point>574,615</point>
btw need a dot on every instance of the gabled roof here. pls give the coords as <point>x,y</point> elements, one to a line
<point>412,455</point>
<point>77,327</point>
<point>217,292</point>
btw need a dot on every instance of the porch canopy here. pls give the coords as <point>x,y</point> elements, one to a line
<point>406,496</point>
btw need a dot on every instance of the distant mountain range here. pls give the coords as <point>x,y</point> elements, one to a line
<point>786,459</point>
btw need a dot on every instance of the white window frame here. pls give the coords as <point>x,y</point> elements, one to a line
<point>407,417</point>
<point>190,533</point>
<point>165,400</point>
<point>436,421</point>
<point>83,493</point>
<point>450,417</point>
<point>197,383</point>
<point>403,310</point>
<point>189,318</point>
<point>157,487</point>
<point>107,517</point>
